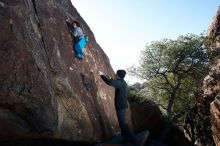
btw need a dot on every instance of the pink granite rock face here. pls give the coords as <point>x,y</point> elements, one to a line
<point>44,90</point>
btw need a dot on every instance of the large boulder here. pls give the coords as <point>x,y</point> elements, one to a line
<point>213,88</point>
<point>44,90</point>
<point>202,122</point>
<point>147,115</point>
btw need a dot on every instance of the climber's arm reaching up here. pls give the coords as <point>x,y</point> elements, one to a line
<point>68,24</point>
<point>110,81</point>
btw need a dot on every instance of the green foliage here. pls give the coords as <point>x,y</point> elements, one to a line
<point>174,70</point>
<point>136,95</point>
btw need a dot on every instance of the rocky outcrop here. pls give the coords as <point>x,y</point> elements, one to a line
<point>147,115</point>
<point>215,114</point>
<point>44,90</point>
<point>213,88</point>
<point>197,126</point>
<point>202,123</point>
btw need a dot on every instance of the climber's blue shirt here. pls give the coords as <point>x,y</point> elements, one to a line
<point>121,92</point>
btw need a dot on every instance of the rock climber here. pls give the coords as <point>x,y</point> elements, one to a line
<point>80,40</point>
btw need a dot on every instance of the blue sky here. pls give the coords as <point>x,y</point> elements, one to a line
<point>123,27</point>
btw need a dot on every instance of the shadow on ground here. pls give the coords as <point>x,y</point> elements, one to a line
<point>42,142</point>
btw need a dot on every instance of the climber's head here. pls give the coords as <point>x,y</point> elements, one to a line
<point>75,24</point>
<point>121,74</point>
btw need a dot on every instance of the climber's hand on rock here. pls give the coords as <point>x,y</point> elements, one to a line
<point>101,73</point>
